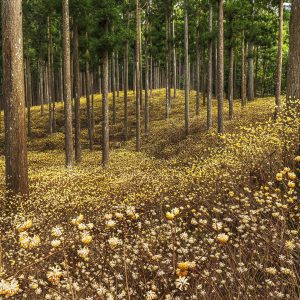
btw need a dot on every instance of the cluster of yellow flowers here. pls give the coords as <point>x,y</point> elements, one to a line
<point>27,241</point>
<point>183,268</point>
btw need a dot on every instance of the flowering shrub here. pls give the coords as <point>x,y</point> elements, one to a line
<point>206,217</point>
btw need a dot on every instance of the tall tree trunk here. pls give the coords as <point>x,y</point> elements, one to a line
<point>220,68</point>
<point>174,61</point>
<point>49,79</point>
<point>216,69</point>
<point>168,90</point>
<point>186,67</point>
<point>61,83</point>
<point>146,90</point>
<point>14,97</point>
<point>151,77</point>
<point>203,81</point>
<point>250,86</point>
<point>126,58</point>
<point>28,95</point>
<point>230,81</point>
<point>138,77</point>
<point>88,104</point>
<point>279,58</point>
<point>99,80</point>
<point>41,86</point>
<point>210,69</point>
<point>117,75</point>
<point>77,92</point>
<point>197,76</point>
<point>67,86</point>
<point>243,84</point>
<point>293,78</point>
<point>113,77</point>
<point>256,71</point>
<point>105,107</point>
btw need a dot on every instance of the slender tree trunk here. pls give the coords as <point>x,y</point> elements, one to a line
<point>250,86</point>
<point>14,95</point>
<point>230,82</point>
<point>77,92</point>
<point>204,81</point>
<point>88,104</point>
<point>28,96</point>
<point>168,93</point>
<point>256,71</point>
<point>243,84</point>
<point>293,78</point>
<point>61,83</point>
<point>117,75</point>
<point>138,77</point>
<point>279,58</point>
<point>210,69</point>
<point>151,77</point>
<point>174,61</point>
<point>41,85</point>
<point>146,90</point>
<point>216,68</point>
<point>67,86</point>
<point>186,66</point>
<point>105,108</point>
<point>220,68</point>
<point>113,77</point>
<point>49,78</point>
<point>126,58</point>
<point>197,76</point>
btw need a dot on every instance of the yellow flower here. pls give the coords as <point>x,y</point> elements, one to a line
<point>279,176</point>
<point>290,245</point>
<point>170,216</point>
<point>292,175</point>
<point>183,265</point>
<point>86,239</point>
<point>231,194</point>
<point>25,226</point>
<point>297,158</point>
<point>222,238</point>
<point>291,184</point>
<point>55,243</point>
<point>271,270</point>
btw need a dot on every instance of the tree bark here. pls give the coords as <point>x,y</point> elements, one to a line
<point>113,83</point>
<point>168,83</point>
<point>77,92</point>
<point>67,86</point>
<point>243,84</point>
<point>174,61</point>
<point>293,78</point>
<point>279,58</point>
<point>220,67</point>
<point>105,107</point>
<point>197,76</point>
<point>250,86</point>
<point>28,95</point>
<point>210,69</point>
<point>138,77</point>
<point>186,66</point>
<point>14,97</point>
<point>126,58</point>
<point>88,104</point>
<point>230,81</point>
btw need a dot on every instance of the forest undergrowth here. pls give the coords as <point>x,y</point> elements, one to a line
<point>202,217</point>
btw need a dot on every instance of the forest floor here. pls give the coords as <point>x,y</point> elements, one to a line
<point>197,217</point>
